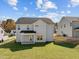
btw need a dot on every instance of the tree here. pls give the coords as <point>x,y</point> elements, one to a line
<point>9,25</point>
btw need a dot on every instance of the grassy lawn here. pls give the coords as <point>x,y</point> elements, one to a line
<point>11,50</point>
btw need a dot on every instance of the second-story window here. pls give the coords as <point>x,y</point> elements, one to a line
<point>18,27</point>
<point>27,27</point>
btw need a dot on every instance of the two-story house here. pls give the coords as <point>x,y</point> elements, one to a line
<point>1,33</point>
<point>69,26</point>
<point>31,30</point>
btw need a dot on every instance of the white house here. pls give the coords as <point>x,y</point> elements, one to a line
<point>13,32</point>
<point>31,30</point>
<point>69,26</point>
<point>1,33</point>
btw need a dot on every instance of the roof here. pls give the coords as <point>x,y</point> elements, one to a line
<point>70,18</point>
<point>28,31</point>
<point>29,20</point>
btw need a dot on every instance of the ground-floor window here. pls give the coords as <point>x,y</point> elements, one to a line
<point>31,37</point>
<point>28,38</point>
<point>39,37</point>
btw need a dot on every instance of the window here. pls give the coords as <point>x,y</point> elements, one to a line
<point>18,27</point>
<point>30,38</point>
<point>14,31</point>
<point>39,37</point>
<point>27,27</point>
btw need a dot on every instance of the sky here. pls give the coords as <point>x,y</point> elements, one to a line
<point>53,9</point>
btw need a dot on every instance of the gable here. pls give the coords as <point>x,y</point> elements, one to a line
<point>39,22</point>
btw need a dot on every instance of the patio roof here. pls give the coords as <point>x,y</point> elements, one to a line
<point>28,31</point>
<point>76,28</point>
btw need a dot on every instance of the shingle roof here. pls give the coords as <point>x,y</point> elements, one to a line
<point>70,18</point>
<point>29,20</point>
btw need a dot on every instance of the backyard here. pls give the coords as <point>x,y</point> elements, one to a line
<point>11,50</point>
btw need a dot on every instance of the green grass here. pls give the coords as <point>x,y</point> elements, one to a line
<point>11,50</point>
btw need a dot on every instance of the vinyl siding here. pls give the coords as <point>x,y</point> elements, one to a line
<point>65,30</point>
<point>40,30</point>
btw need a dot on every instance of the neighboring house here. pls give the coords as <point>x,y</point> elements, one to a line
<point>1,33</point>
<point>13,32</point>
<point>69,26</point>
<point>31,30</point>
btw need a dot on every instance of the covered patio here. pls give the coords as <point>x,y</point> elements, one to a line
<point>27,37</point>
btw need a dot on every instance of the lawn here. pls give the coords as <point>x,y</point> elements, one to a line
<point>11,50</point>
